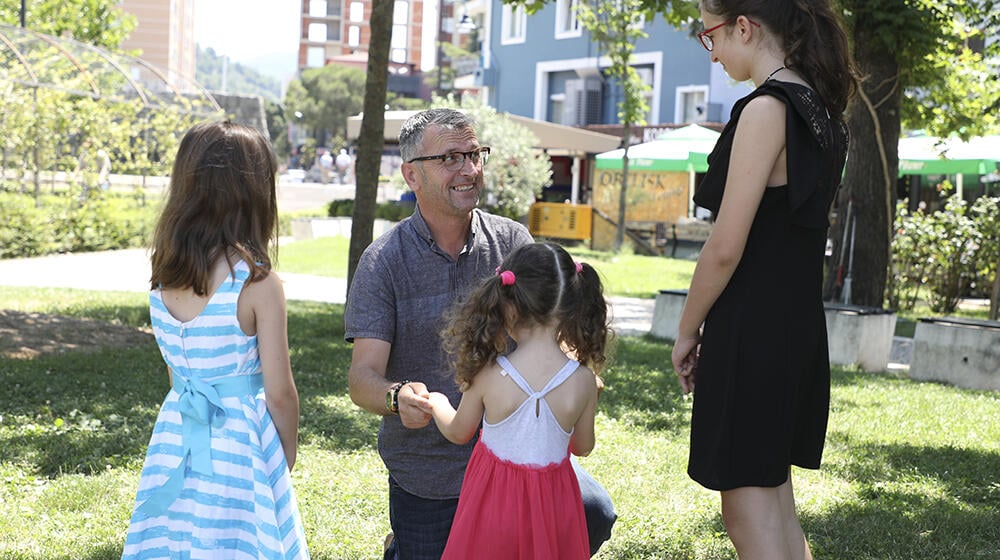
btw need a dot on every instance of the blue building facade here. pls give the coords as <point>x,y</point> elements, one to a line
<point>546,66</point>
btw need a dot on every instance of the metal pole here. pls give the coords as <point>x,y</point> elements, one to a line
<point>440,44</point>
<point>22,13</point>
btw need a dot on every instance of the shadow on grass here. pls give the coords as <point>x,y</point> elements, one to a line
<point>80,412</point>
<point>333,424</point>
<point>641,387</point>
<point>913,503</point>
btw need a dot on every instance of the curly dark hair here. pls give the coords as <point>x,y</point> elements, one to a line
<point>548,286</point>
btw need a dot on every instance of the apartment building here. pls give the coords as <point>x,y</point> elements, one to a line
<point>165,36</point>
<point>337,32</point>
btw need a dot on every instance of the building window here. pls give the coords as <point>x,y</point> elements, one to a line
<point>646,73</point>
<point>357,11</point>
<point>315,57</point>
<point>354,36</point>
<point>691,104</point>
<point>557,108</point>
<point>567,24</point>
<point>400,13</point>
<point>317,32</point>
<point>398,55</point>
<point>399,37</point>
<point>333,32</point>
<point>514,23</point>
<point>317,8</point>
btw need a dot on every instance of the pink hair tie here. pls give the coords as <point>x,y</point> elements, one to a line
<point>507,278</point>
<point>579,267</point>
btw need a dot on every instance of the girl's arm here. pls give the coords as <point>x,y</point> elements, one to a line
<point>458,426</point>
<point>267,300</point>
<point>583,440</point>
<point>758,142</point>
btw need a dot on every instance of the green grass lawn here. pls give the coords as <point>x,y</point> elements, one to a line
<point>911,470</point>
<point>623,275</point>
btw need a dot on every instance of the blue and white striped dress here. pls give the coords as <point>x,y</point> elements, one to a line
<point>215,484</point>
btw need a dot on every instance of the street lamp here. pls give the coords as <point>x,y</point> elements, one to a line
<point>440,44</point>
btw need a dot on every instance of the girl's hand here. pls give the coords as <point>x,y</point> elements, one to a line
<point>439,401</point>
<point>685,360</point>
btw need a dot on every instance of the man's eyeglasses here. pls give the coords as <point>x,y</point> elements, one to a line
<point>706,39</point>
<point>453,161</point>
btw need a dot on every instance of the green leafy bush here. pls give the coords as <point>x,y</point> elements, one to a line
<point>944,254</point>
<point>62,223</point>
<point>392,211</point>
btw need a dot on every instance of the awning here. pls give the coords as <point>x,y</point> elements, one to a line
<point>555,139</point>
<point>681,149</point>
<point>927,155</point>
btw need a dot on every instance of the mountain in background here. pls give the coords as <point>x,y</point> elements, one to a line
<point>240,78</point>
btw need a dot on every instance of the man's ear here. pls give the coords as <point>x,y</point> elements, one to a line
<point>410,175</point>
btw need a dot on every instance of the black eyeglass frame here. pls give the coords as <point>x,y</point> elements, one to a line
<point>482,154</point>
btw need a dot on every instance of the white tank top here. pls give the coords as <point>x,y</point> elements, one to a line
<point>531,435</point>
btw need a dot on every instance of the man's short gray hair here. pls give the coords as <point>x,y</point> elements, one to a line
<point>411,134</point>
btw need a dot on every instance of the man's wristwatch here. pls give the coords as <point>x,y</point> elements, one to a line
<point>392,396</point>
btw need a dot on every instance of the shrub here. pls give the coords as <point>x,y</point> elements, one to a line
<point>947,252</point>
<point>62,223</point>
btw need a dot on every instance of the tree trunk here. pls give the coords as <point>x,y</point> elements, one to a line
<point>372,136</point>
<point>870,174</point>
<point>995,296</point>
<point>622,195</point>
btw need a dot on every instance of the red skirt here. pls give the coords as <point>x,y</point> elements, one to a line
<point>509,511</point>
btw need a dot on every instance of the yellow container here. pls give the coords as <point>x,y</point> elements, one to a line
<point>559,220</point>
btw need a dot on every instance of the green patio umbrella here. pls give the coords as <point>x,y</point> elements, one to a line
<point>927,155</point>
<point>681,149</point>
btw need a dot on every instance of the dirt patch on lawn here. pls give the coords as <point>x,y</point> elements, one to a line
<point>27,335</point>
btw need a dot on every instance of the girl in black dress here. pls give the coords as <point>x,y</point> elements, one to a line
<point>753,330</point>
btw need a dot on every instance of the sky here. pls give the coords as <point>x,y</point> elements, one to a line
<point>247,30</point>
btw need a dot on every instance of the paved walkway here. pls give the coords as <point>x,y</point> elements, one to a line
<point>128,271</point>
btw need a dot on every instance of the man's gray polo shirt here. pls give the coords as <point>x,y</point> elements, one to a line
<point>403,285</point>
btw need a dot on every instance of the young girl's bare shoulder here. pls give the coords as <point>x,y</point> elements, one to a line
<point>265,289</point>
<point>584,378</point>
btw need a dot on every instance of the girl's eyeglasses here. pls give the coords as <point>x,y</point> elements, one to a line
<point>706,39</point>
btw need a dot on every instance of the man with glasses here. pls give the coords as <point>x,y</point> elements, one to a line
<point>405,282</point>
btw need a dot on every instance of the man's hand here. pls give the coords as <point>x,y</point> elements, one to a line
<point>414,410</point>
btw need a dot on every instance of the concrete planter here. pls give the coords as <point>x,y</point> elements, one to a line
<point>856,335</point>
<point>859,335</point>
<point>311,228</point>
<point>667,313</point>
<point>962,352</point>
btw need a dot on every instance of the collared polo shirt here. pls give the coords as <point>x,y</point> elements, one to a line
<point>401,289</point>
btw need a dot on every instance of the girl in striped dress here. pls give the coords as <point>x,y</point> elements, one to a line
<point>216,482</point>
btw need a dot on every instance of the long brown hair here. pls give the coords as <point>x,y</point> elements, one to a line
<point>813,38</point>
<point>548,286</point>
<point>221,200</point>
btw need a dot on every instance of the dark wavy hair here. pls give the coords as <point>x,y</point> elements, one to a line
<point>814,40</point>
<point>547,288</point>
<point>221,199</point>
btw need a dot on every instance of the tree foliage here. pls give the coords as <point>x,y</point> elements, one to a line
<point>45,131</point>
<point>616,25</point>
<point>97,22</point>
<point>919,70</point>
<point>325,97</point>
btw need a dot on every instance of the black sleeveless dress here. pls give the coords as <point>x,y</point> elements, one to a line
<point>763,377</point>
